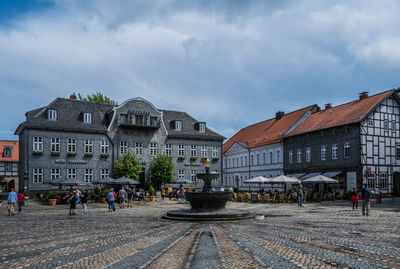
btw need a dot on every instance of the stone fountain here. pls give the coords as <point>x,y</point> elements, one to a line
<point>207,205</point>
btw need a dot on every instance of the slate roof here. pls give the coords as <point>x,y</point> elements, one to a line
<point>69,113</point>
<point>188,130</point>
<point>15,151</point>
<point>266,132</point>
<point>344,114</point>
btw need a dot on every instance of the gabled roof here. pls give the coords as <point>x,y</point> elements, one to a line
<point>14,153</point>
<point>344,114</point>
<point>188,130</point>
<point>266,132</point>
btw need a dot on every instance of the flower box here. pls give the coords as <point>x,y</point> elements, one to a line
<point>193,158</point>
<point>104,155</point>
<point>88,155</point>
<point>215,159</point>
<point>37,153</point>
<point>181,158</point>
<point>55,153</point>
<point>71,154</point>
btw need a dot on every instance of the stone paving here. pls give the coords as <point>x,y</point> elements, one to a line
<point>323,235</point>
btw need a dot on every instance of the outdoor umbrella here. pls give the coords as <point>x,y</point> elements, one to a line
<point>258,180</point>
<point>320,179</point>
<point>56,181</point>
<point>283,180</point>
<point>72,182</point>
<point>125,181</point>
<point>107,180</point>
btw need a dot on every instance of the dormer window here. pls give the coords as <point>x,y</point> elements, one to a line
<point>7,152</point>
<point>178,125</point>
<point>52,114</point>
<point>202,127</point>
<point>87,117</point>
<point>122,119</point>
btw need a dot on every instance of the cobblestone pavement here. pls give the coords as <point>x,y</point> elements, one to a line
<point>324,235</point>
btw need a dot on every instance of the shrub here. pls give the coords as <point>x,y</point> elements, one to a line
<point>152,191</point>
<point>240,196</point>
<point>347,195</point>
<point>317,196</point>
<point>105,192</point>
<point>52,195</point>
<point>292,190</point>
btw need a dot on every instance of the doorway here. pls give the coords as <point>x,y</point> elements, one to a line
<point>396,182</point>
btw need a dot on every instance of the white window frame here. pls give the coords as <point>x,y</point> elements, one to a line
<point>71,173</point>
<point>89,175</point>
<point>298,155</point>
<point>251,159</point>
<point>37,143</point>
<point>52,114</point>
<point>104,147</point>
<point>204,151</point>
<point>153,149</point>
<point>71,145</point>
<point>386,125</point>
<point>178,125</point>
<point>334,152</point>
<point>37,175</point>
<point>123,147</point>
<point>88,146</point>
<point>55,173</point>
<point>138,148</point>
<point>181,150</point>
<point>278,156</point>
<point>398,151</point>
<point>202,127</point>
<point>290,158</point>
<point>214,153</point>
<point>258,159</point>
<point>323,153</point>
<point>346,150</point>
<point>271,157</point>
<point>181,173</point>
<point>393,126</point>
<point>193,175</point>
<point>383,180</point>
<point>55,144</point>
<point>308,155</point>
<point>168,149</point>
<point>370,123</point>
<point>105,172</point>
<point>87,117</point>
<point>193,151</point>
<point>371,180</point>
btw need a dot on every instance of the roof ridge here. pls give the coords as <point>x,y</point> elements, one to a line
<point>83,101</point>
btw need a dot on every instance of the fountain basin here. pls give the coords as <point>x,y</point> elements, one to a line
<point>208,201</point>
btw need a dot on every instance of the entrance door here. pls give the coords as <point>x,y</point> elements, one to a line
<point>396,181</point>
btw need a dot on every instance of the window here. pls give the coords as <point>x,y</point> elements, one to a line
<point>7,152</point>
<point>193,175</point>
<point>87,117</point>
<point>153,149</point>
<point>178,125</point>
<point>270,157</point>
<point>347,150</point>
<point>308,155</point>
<point>245,160</point>
<point>168,149</point>
<point>398,151</point>
<point>123,147</point>
<point>153,121</point>
<point>204,152</point>
<point>258,159</point>
<point>215,152</point>
<point>264,158</point>
<point>278,156</point>
<point>229,163</point>
<point>237,162</point>
<point>234,162</point>
<point>181,150</point>
<point>393,126</point>
<point>139,120</point>
<point>251,160</point>
<point>241,160</point>
<point>55,144</point>
<point>71,173</point>
<point>386,125</point>
<point>298,155</point>
<point>193,151</point>
<point>55,173</point>
<point>52,114</point>
<point>370,123</point>
<point>71,145</point>
<point>202,127</point>
<point>323,153</point>
<point>104,147</point>
<point>88,146</point>
<point>181,173</point>
<point>88,175</point>
<point>383,182</point>
<point>334,152</point>
<point>8,167</point>
<point>37,175</point>
<point>371,181</point>
<point>138,148</point>
<point>105,173</point>
<point>122,119</point>
<point>290,156</point>
<point>37,143</point>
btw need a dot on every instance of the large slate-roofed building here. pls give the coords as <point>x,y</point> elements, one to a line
<point>80,139</point>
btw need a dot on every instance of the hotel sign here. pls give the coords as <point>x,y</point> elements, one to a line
<point>63,161</point>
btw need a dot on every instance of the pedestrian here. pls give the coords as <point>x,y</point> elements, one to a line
<point>72,202</point>
<point>300,194</point>
<point>393,195</point>
<point>366,197</point>
<point>169,190</point>
<point>12,201</point>
<point>122,196</point>
<point>85,197</point>
<point>129,197</point>
<point>163,194</point>
<point>111,199</point>
<point>378,194</point>
<point>21,198</point>
<point>354,198</point>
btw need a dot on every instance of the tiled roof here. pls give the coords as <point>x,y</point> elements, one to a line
<point>266,132</point>
<point>188,130</point>
<point>14,153</point>
<point>344,114</point>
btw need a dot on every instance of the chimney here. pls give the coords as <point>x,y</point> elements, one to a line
<point>328,106</point>
<point>72,96</point>
<point>279,115</point>
<point>363,95</point>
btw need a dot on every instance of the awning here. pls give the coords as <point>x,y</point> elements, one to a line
<point>309,175</point>
<point>332,174</point>
<point>298,175</point>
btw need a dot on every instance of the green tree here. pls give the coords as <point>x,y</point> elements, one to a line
<point>127,167</point>
<point>161,170</point>
<point>97,97</point>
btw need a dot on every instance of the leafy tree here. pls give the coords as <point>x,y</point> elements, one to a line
<point>96,97</point>
<point>127,167</point>
<point>161,170</point>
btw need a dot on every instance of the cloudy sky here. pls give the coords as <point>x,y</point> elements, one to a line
<point>229,63</point>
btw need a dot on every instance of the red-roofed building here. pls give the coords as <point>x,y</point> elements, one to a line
<point>9,157</point>
<point>357,142</point>
<point>257,149</point>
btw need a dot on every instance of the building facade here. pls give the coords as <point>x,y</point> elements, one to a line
<point>80,139</point>
<point>9,157</point>
<point>257,149</point>
<point>357,142</point>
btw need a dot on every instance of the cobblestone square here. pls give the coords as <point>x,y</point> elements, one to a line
<point>323,235</point>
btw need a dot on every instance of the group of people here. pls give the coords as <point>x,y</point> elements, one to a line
<point>75,198</point>
<point>13,200</point>
<point>122,196</point>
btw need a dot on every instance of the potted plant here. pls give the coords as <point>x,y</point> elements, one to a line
<point>25,193</point>
<point>104,155</point>
<point>152,193</point>
<point>52,198</point>
<point>181,158</point>
<point>239,196</point>
<point>104,195</point>
<point>193,158</point>
<point>88,154</point>
<point>37,153</point>
<point>215,159</point>
<point>71,154</point>
<point>55,153</point>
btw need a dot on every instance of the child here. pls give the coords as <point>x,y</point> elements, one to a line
<point>354,198</point>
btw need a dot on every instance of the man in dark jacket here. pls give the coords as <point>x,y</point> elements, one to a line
<point>366,197</point>
<point>300,194</point>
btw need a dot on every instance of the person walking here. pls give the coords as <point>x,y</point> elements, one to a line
<point>122,196</point>
<point>366,197</point>
<point>163,194</point>
<point>129,198</point>
<point>378,194</point>
<point>72,202</point>
<point>21,198</point>
<point>84,202</point>
<point>111,199</point>
<point>393,194</point>
<point>12,201</point>
<point>169,192</point>
<point>300,194</point>
<point>354,198</point>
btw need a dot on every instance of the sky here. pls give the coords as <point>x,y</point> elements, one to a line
<point>229,63</point>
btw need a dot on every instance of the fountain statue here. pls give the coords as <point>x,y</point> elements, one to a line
<point>207,205</point>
